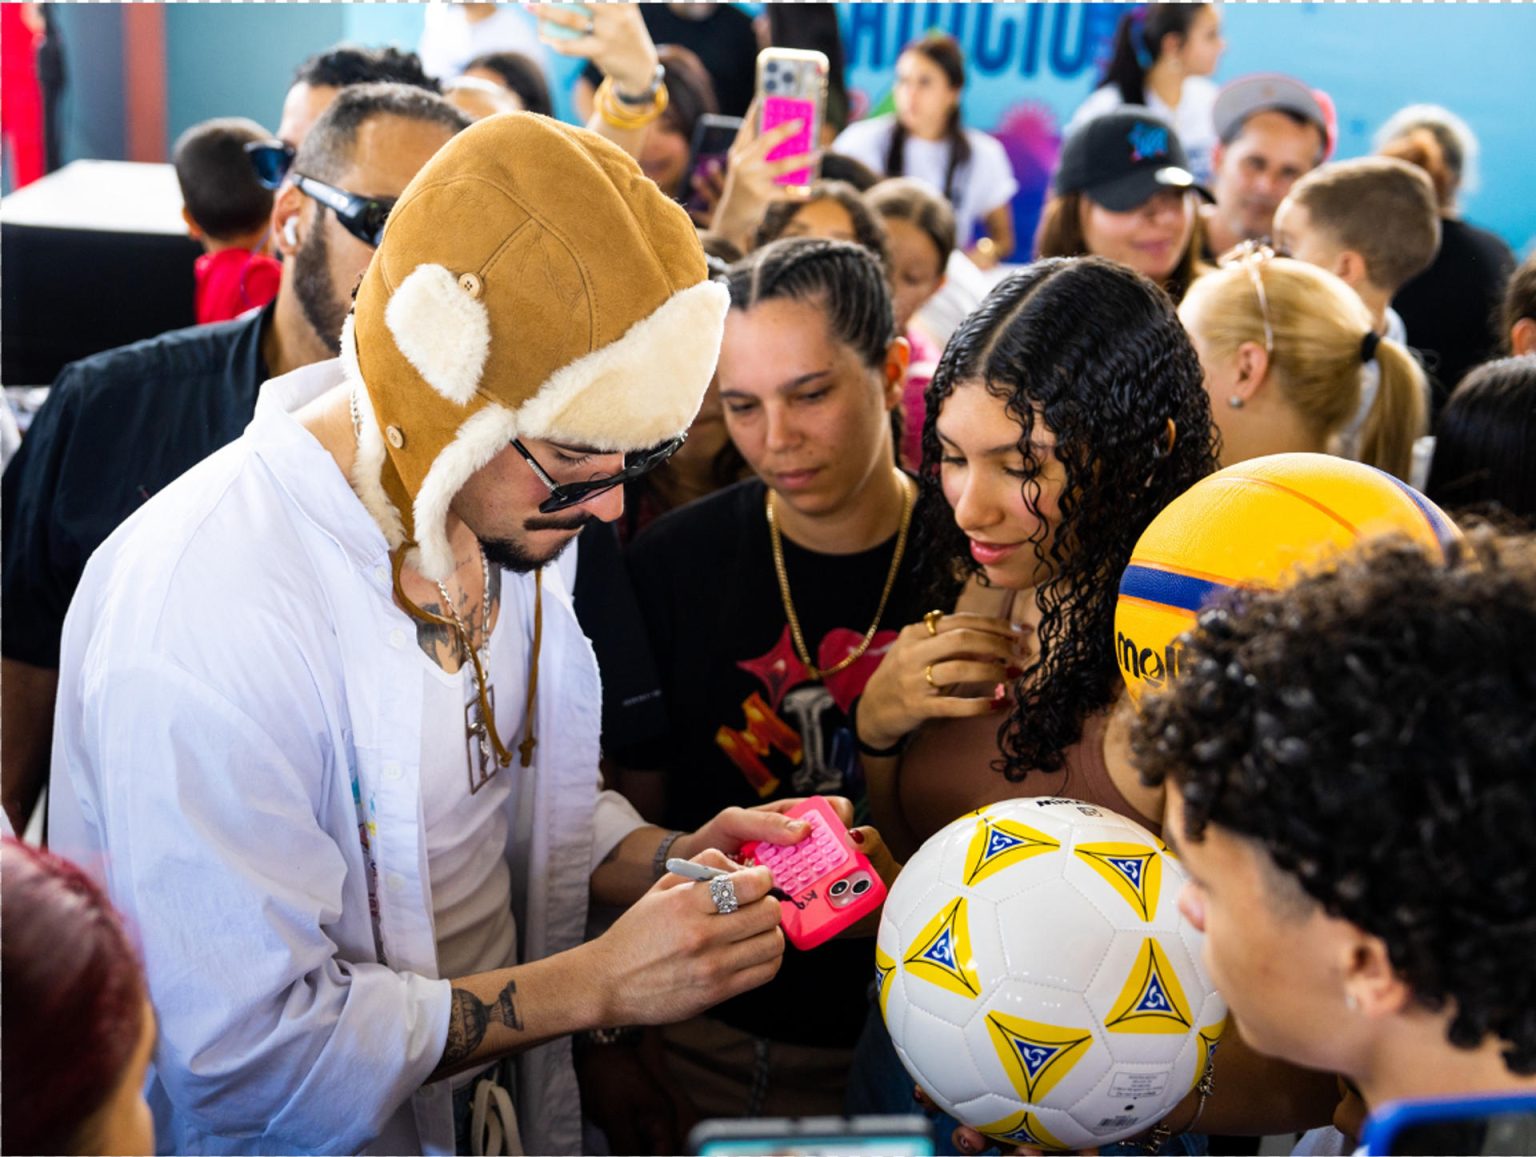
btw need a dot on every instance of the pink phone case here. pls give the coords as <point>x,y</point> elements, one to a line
<point>792,86</point>
<point>830,885</point>
<point>777,110</point>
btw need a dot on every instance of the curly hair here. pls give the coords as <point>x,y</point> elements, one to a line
<point>1370,728</point>
<point>1095,353</point>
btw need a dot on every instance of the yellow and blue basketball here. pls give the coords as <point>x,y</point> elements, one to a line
<point>1254,525</point>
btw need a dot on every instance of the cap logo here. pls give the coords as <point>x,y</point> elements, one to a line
<point>1148,141</point>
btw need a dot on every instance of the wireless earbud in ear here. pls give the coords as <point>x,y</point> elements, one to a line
<point>291,231</point>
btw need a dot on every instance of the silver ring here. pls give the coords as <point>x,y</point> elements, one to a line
<point>589,28</point>
<point>722,890</point>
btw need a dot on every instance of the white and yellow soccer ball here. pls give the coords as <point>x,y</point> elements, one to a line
<point>1038,980</point>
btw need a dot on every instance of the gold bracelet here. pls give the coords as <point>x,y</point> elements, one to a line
<point>617,115</point>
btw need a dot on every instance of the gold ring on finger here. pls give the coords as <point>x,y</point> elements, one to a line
<point>931,620</point>
<point>928,675</point>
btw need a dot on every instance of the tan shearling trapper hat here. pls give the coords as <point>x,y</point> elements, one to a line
<point>532,282</point>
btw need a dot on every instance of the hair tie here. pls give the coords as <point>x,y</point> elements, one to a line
<point>1138,18</point>
<point>1368,346</point>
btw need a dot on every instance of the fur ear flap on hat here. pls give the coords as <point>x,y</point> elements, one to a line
<point>443,331</point>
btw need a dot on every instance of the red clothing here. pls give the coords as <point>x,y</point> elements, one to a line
<point>232,281</point>
<point>21,100</point>
<point>914,400</point>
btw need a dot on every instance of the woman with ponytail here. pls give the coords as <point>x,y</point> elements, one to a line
<point>926,138</point>
<point>1163,58</point>
<point>1282,344</point>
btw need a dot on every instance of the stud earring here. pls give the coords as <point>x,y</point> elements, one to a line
<point>1235,402</point>
<point>1351,1002</point>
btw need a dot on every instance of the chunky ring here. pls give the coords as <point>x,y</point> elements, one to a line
<point>722,890</point>
<point>928,674</point>
<point>931,620</point>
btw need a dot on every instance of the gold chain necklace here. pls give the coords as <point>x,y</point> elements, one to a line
<point>789,603</point>
<point>487,753</point>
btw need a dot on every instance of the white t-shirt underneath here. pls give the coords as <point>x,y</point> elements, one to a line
<point>466,834</point>
<point>982,184</point>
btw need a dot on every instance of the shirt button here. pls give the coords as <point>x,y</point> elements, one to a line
<point>397,638</point>
<point>395,881</point>
<point>391,769</point>
<point>381,573</point>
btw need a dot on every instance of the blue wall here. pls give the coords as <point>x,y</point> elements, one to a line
<point>1031,65</point>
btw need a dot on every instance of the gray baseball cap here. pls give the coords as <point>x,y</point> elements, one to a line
<point>1265,92</point>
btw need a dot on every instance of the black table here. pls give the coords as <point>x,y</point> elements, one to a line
<point>92,256</point>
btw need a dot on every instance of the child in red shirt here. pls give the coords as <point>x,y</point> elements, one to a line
<point>228,210</point>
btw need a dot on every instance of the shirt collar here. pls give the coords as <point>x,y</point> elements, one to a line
<point>305,470</point>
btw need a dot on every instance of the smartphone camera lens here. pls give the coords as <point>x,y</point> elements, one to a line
<point>838,889</point>
<point>860,887</point>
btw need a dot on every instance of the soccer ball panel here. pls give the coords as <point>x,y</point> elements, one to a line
<point>934,1054</point>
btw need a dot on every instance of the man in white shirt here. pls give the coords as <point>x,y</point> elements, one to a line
<point>354,896</point>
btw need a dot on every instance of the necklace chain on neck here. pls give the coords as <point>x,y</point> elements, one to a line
<point>776,541</point>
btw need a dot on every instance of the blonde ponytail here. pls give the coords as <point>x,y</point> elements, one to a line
<point>1317,325</point>
<point>1397,415</point>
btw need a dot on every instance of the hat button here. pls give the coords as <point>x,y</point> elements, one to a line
<point>394,437</point>
<point>471,284</point>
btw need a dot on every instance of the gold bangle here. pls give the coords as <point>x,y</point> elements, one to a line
<point>627,119</point>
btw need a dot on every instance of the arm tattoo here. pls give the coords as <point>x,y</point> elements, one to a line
<point>467,1022</point>
<point>469,1018</point>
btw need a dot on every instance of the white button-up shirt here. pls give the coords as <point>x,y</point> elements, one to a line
<point>238,696</point>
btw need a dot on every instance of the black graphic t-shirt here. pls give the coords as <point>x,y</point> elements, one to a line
<point>747,723</point>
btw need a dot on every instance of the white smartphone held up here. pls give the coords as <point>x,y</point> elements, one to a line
<point>792,86</point>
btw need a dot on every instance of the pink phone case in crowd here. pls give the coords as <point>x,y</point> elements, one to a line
<point>830,885</point>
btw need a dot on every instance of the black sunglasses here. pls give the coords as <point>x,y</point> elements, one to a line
<point>564,495</point>
<point>363,217</point>
<point>271,160</point>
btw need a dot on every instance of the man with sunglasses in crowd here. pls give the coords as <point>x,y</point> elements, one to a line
<point>121,425</point>
<point>328,725</point>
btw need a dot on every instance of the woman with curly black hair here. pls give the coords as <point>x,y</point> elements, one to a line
<point>1349,772</point>
<point>1066,412</point>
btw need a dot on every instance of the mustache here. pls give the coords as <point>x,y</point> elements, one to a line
<point>575,522</point>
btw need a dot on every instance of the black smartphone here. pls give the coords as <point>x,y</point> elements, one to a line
<point>712,139</point>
